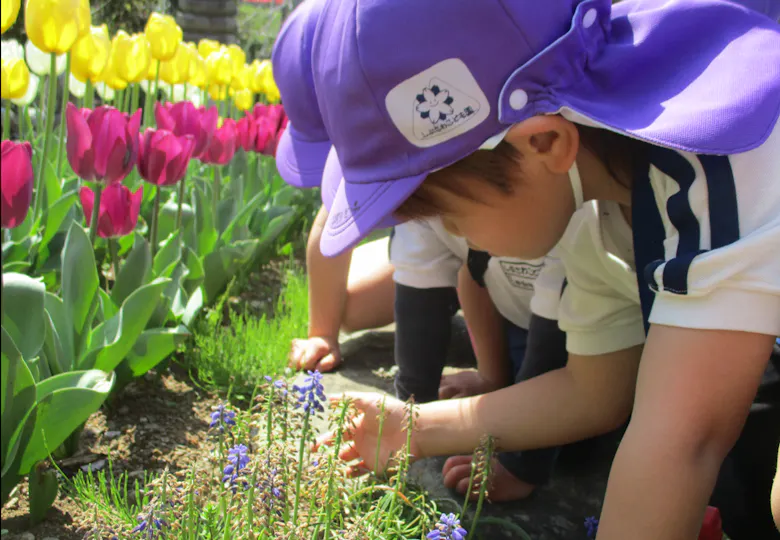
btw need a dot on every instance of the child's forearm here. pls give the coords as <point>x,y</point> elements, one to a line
<point>590,396</point>
<point>486,327</point>
<point>776,493</point>
<point>327,283</point>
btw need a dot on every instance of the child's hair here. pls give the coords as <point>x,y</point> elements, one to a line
<point>499,167</point>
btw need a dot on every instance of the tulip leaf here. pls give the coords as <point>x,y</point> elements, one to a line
<point>195,267</point>
<point>240,218</point>
<point>167,219</point>
<point>226,211</point>
<point>204,223</point>
<point>107,308</point>
<point>111,340</point>
<point>53,353</point>
<point>79,282</point>
<point>55,309</point>
<point>64,403</point>
<point>169,254</point>
<point>42,487</point>
<point>17,266</point>
<point>18,416</point>
<point>55,215</point>
<point>52,185</point>
<point>284,196</point>
<point>23,313</point>
<point>168,298</point>
<point>152,347</point>
<point>222,264</point>
<point>134,272</point>
<point>194,305</point>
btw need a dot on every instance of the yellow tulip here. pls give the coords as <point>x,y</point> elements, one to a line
<point>110,74</point>
<point>84,15</point>
<point>237,55</point>
<point>51,24</point>
<point>132,56</point>
<point>15,78</point>
<point>217,92</point>
<point>259,75</point>
<point>208,46</point>
<point>177,69</point>
<point>243,99</point>
<point>164,35</point>
<point>219,67</point>
<point>9,10</point>
<point>241,77</point>
<point>89,56</point>
<point>30,94</point>
<point>198,71</point>
<point>264,80</point>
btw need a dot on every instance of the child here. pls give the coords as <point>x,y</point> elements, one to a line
<point>429,263</point>
<point>668,130</point>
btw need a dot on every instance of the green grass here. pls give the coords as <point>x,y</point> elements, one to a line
<point>241,352</point>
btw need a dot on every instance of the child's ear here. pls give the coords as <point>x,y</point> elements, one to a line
<point>551,139</point>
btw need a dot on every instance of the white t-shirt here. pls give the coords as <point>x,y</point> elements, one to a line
<point>424,255</point>
<point>709,250</point>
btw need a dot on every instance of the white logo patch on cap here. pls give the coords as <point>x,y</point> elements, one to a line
<point>437,104</point>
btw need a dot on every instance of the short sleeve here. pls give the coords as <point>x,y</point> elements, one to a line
<point>420,258</point>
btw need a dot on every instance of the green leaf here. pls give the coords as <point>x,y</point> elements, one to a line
<point>194,305</point>
<point>241,218</point>
<point>167,219</point>
<point>152,347</point>
<point>52,183</point>
<point>221,265</point>
<point>107,307</point>
<point>55,309</point>
<point>275,228</point>
<point>169,254</point>
<point>19,397</point>
<point>16,266</point>
<point>226,211</point>
<point>79,281</point>
<point>53,353</point>
<point>65,402</point>
<point>204,223</point>
<point>284,196</point>
<point>43,487</point>
<point>169,296</point>
<point>111,340</point>
<point>23,313</point>
<point>54,216</point>
<point>196,273</point>
<point>134,272</point>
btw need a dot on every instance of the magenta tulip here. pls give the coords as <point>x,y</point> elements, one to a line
<point>17,182</point>
<point>118,213</point>
<point>163,157</point>
<point>270,122</point>
<point>246,133</point>
<point>222,147</point>
<point>183,118</point>
<point>102,144</point>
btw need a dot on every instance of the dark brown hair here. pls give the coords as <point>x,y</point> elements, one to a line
<point>500,167</point>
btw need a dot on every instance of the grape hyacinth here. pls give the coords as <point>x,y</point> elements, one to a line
<point>448,528</point>
<point>311,394</point>
<point>222,417</point>
<point>149,525</point>
<point>271,487</point>
<point>239,459</point>
<point>591,526</point>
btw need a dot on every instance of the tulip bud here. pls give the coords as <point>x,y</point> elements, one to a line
<point>246,133</point>
<point>271,121</point>
<point>16,182</point>
<point>164,35</point>
<point>118,212</point>
<point>259,76</point>
<point>219,68</point>
<point>39,62</point>
<point>222,146</point>
<point>30,94</point>
<point>110,74</point>
<point>102,144</point>
<point>208,46</point>
<point>198,77</point>
<point>9,10</point>
<point>90,54</point>
<point>76,87</point>
<point>163,157</point>
<point>131,56</point>
<point>184,119</point>
<point>11,49</point>
<point>237,56</point>
<point>177,69</point>
<point>243,99</point>
<point>15,78</point>
<point>52,26</point>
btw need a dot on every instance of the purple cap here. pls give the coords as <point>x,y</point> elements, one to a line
<point>304,145</point>
<point>408,87</point>
<point>770,8</point>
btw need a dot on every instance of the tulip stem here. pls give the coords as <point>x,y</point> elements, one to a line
<point>134,99</point>
<point>114,252</point>
<point>119,98</point>
<point>41,105</point>
<point>7,121</point>
<point>93,221</point>
<point>184,94</point>
<point>89,94</point>
<point>215,192</point>
<point>22,124</point>
<point>155,220</point>
<point>126,104</point>
<point>50,105</point>
<point>64,104</point>
<point>156,90</point>
<point>182,194</point>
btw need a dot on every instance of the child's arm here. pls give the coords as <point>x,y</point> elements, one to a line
<point>327,299</point>
<point>694,391</point>
<point>776,493</point>
<point>486,327</point>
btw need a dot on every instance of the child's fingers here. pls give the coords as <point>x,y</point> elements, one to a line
<point>326,439</point>
<point>349,452</point>
<point>358,469</point>
<point>328,363</point>
<point>447,392</point>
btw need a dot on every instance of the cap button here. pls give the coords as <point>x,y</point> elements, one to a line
<point>589,18</point>
<point>518,99</point>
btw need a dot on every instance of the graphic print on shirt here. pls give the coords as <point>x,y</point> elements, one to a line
<point>521,274</point>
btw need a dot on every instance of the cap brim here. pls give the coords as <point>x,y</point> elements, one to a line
<point>300,162</point>
<point>357,209</point>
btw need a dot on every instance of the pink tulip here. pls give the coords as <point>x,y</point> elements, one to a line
<point>246,130</point>
<point>118,214</point>
<point>102,144</point>
<point>222,147</point>
<point>183,118</point>
<point>271,121</point>
<point>17,182</point>
<point>163,157</point>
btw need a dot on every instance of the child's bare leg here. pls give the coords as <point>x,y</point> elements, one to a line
<point>370,297</point>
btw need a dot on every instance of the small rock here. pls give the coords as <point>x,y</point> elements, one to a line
<point>51,538</point>
<point>136,474</point>
<point>143,419</point>
<point>95,466</point>
<point>152,426</point>
<point>124,409</point>
<point>27,536</point>
<point>112,434</point>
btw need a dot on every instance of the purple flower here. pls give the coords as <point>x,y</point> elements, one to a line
<point>149,525</point>
<point>222,417</point>
<point>591,526</point>
<point>271,487</point>
<point>311,395</point>
<point>448,528</point>
<point>238,459</point>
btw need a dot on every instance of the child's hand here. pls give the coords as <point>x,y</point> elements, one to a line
<point>320,353</point>
<point>362,436</point>
<point>465,384</point>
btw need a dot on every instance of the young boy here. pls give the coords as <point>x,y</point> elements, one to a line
<point>670,130</point>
